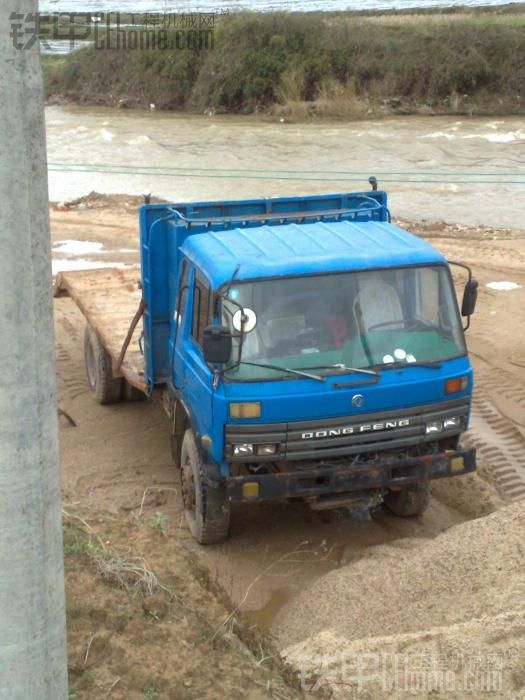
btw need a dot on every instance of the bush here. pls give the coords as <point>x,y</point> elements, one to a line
<point>260,60</point>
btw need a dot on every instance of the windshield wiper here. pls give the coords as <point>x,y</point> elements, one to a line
<point>286,369</point>
<point>344,368</point>
<point>403,364</point>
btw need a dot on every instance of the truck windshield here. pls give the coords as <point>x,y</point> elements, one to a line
<point>357,319</point>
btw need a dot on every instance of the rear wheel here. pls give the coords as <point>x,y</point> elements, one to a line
<point>409,501</point>
<point>206,508</point>
<point>103,385</point>
<point>131,393</point>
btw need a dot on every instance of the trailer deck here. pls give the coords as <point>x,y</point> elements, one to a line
<point>109,299</point>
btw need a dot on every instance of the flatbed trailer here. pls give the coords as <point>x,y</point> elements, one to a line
<point>109,299</point>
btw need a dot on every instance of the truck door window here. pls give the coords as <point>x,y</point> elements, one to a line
<point>183,292</point>
<point>201,307</point>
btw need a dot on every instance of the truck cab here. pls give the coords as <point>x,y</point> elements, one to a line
<point>308,348</point>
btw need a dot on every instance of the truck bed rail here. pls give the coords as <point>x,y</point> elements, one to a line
<point>365,205</point>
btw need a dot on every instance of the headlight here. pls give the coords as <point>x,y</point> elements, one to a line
<point>243,450</point>
<point>452,423</point>
<point>265,450</point>
<point>435,426</point>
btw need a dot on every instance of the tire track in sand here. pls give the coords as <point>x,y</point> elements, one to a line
<point>500,445</point>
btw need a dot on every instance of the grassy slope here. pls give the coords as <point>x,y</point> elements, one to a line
<point>260,61</point>
<point>137,633</point>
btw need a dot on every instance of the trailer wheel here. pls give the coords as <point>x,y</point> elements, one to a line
<point>410,501</point>
<point>207,509</point>
<point>104,387</point>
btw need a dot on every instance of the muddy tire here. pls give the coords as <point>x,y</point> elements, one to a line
<point>104,387</point>
<point>131,393</point>
<point>410,501</point>
<point>175,449</point>
<point>207,509</point>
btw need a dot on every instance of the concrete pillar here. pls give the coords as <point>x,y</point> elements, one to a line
<point>32,621</point>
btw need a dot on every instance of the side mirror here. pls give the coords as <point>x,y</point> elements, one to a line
<point>470,296</point>
<point>217,344</point>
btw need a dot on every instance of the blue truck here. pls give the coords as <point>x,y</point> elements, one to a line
<point>303,347</point>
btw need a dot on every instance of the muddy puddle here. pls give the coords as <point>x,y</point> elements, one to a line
<point>276,551</point>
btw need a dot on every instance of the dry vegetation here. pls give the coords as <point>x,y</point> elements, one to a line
<point>136,634</point>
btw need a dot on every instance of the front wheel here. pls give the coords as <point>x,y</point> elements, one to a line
<point>207,508</point>
<point>409,501</point>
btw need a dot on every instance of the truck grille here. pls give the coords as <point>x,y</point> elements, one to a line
<point>336,437</point>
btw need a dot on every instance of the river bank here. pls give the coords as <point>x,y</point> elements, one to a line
<point>302,66</point>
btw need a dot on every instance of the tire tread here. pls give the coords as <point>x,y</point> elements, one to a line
<point>108,388</point>
<point>210,523</point>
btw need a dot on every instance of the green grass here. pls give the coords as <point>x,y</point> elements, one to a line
<point>52,65</point>
<point>77,543</point>
<point>263,60</point>
<point>159,522</point>
<point>150,691</point>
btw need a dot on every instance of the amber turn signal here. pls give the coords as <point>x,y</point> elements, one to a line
<point>453,386</point>
<point>245,410</point>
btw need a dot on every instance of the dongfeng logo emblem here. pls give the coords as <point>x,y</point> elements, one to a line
<point>358,401</point>
<point>357,429</point>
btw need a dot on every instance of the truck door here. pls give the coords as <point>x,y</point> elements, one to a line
<point>197,379</point>
<point>180,322</point>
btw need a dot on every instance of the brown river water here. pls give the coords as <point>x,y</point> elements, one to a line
<point>461,170</point>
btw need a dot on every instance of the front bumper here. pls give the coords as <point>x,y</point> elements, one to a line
<point>327,479</point>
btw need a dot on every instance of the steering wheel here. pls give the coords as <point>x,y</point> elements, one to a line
<point>296,344</point>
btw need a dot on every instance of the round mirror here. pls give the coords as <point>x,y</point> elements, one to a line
<point>244,320</point>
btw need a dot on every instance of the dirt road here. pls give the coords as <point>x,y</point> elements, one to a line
<point>117,458</point>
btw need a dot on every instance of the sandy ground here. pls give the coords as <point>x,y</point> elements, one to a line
<point>322,582</point>
<point>461,593</point>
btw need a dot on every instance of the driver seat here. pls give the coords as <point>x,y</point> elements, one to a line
<point>376,302</point>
